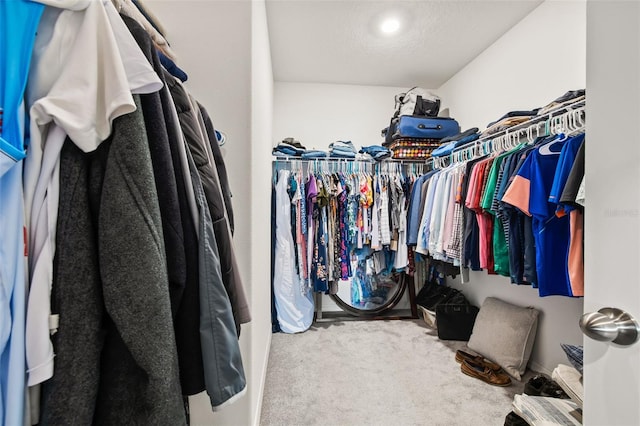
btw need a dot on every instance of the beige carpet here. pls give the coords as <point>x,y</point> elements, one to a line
<point>376,373</point>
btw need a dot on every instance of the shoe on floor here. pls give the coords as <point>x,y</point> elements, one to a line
<point>540,385</point>
<point>487,375</point>
<point>461,356</point>
<point>512,419</point>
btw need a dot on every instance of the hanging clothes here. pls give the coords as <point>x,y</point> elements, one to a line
<point>552,234</point>
<point>319,264</point>
<point>105,128</point>
<point>402,254</point>
<point>110,331</point>
<point>347,213</point>
<point>295,309</point>
<point>17,34</point>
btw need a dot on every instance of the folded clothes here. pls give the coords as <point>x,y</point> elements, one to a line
<point>505,124</point>
<point>335,154</point>
<point>290,146</point>
<point>281,154</point>
<point>288,150</point>
<point>373,149</point>
<point>562,101</point>
<point>343,151</point>
<point>459,136</point>
<point>529,113</point>
<point>293,142</point>
<point>376,151</point>
<point>295,146</point>
<point>315,153</point>
<point>448,148</point>
<point>345,145</point>
<point>382,155</point>
<point>570,96</point>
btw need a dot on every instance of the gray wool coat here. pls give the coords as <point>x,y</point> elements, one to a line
<point>116,360</point>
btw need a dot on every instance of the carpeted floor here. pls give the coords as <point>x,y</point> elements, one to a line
<point>392,373</point>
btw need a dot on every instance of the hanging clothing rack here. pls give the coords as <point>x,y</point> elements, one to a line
<point>349,166</point>
<point>388,165</point>
<point>568,118</point>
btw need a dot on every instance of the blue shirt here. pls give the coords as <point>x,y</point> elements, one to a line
<point>18,24</point>
<point>414,213</point>
<point>529,192</point>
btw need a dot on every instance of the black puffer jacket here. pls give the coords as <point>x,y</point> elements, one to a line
<point>207,169</point>
<point>220,166</point>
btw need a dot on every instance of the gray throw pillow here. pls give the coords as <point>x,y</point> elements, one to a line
<point>504,333</point>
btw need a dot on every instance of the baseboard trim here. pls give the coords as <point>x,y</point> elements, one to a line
<point>263,378</point>
<point>539,368</point>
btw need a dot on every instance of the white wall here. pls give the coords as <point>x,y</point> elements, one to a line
<point>220,78</point>
<point>261,128</point>
<point>538,60</point>
<point>318,114</point>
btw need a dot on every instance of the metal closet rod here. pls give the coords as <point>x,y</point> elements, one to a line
<point>352,165</point>
<point>288,159</point>
<point>342,161</point>
<point>534,122</point>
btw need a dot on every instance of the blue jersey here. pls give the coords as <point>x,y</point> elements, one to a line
<point>529,192</point>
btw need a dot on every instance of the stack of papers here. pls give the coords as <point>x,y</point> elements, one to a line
<point>545,411</point>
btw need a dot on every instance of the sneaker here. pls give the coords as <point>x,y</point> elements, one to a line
<point>540,385</point>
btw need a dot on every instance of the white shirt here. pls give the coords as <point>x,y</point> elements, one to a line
<point>140,74</point>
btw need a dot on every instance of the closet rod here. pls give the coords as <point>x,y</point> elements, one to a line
<point>289,159</point>
<point>399,161</point>
<point>527,126</point>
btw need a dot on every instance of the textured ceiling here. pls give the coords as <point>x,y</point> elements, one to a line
<point>324,41</point>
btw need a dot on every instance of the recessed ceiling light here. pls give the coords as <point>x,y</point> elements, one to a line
<point>390,25</point>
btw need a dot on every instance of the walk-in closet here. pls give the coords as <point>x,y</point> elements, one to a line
<point>205,221</point>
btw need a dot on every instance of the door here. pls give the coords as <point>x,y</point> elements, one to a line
<point>612,218</point>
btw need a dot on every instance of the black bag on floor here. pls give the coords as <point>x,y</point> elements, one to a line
<point>455,321</point>
<point>432,294</point>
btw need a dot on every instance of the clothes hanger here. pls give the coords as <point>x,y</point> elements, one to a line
<point>530,134</point>
<point>515,141</point>
<point>556,127</point>
<point>129,9</point>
